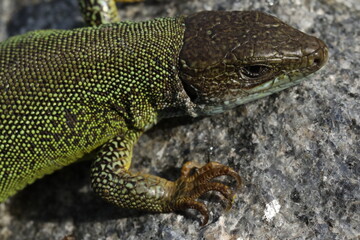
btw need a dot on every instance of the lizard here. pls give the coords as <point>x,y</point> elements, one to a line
<point>65,93</point>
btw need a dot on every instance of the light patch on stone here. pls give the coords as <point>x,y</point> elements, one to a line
<point>160,153</point>
<point>272,208</point>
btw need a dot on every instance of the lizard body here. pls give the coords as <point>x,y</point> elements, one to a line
<point>86,104</point>
<point>64,93</point>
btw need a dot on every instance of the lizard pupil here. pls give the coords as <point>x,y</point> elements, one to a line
<point>255,71</point>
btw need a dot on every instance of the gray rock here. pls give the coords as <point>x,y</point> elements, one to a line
<point>297,151</point>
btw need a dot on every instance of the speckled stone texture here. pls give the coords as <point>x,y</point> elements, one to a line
<point>297,151</point>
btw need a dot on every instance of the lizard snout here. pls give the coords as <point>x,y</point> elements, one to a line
<point>318,55</point>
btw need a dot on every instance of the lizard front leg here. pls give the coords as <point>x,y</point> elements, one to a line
<point>114,181</point>
<point>96,12</point>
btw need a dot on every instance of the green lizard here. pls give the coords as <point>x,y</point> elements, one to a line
<point>64,93</point>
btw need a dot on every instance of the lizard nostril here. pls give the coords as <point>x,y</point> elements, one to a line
<point>321,55</point>
<point>317,54</point>
<point>319,58</point>
<point>317,61</point>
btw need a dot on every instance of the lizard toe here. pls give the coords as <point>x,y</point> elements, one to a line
<point>193,184</point>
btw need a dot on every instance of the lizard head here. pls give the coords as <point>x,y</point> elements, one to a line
<point>230,58</point>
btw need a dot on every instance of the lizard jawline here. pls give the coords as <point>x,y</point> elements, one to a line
<point>277,84</point>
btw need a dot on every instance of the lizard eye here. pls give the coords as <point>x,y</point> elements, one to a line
<point>254,71</point>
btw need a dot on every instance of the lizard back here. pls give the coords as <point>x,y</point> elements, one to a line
<point>64,93</point>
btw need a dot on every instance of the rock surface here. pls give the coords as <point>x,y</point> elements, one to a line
<point>297,151</point>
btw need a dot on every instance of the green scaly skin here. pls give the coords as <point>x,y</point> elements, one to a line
<point>64,93</point>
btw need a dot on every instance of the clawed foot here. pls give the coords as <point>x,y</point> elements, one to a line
<point>189,186</point>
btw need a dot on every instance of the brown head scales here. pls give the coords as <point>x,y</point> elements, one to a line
<point>230,58</point>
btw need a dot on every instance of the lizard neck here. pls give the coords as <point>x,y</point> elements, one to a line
<point>152,90</point>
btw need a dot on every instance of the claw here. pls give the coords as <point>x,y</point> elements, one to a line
<point>213,170</point>
<point>197,206</point>
<point>190,187</point>
<point>212,186</point>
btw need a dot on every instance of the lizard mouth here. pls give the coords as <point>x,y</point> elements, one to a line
<point>265,89</point>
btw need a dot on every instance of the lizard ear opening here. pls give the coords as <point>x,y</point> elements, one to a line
<point>190,91</point>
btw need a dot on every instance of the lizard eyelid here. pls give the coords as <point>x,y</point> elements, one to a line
<point>255,71</point>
